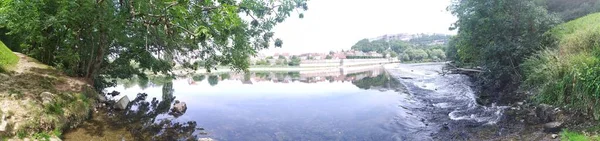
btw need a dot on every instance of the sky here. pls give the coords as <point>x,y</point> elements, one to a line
<point>333,25</point>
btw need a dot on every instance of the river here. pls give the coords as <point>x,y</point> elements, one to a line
<point>391,102</point>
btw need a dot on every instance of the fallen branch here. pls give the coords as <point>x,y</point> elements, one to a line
<point>468,70</point>
<point>451,69</point>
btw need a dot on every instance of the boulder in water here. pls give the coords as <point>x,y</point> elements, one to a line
<point>122,103</point>
<point>553,127</point>
<point>179,108</point>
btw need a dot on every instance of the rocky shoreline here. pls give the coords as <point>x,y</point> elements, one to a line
<point>522,120</point>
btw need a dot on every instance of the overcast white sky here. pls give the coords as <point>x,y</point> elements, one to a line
<point>338,24</point>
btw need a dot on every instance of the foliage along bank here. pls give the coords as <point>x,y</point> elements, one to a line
<point>120,39</point>
<point>568,74</point>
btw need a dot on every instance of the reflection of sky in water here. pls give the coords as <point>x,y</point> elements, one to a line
<point>290,111</point>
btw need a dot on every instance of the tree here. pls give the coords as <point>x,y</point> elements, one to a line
<point>280,62</point>
<point>393,54</point>
<point>328,57</point>
<point>498,35</point>
<point>119,39</point>
<point>399,46</point>
<point>295,61</point>
<point>417,54</point>
<point>437,53</point>
<point>404,57</point>
<point>362,45</point>
<point>281,57</point>
<point>213,80</point>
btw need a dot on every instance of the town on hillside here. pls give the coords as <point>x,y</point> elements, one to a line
<point>401,47</point>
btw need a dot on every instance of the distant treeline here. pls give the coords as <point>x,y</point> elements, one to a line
<point>421,48</point>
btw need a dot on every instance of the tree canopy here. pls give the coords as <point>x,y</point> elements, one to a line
<point>498,35</point>
<point>120,39</point>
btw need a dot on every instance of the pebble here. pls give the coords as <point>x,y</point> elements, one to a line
<point>554,136</point>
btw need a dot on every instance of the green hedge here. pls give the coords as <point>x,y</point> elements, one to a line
<point>8,59</point>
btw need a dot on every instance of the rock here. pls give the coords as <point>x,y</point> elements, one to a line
<point>54,139</point>
<point>553,127</point>
<point>47,98</point>
<point>114,93</point>
<point>179,108</point>
<point>102,98</point>
<point>519,103</point>
<point>122,103</point>
<point>554,136</point>
<point>3,124</point>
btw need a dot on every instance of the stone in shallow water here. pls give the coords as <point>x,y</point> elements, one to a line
<point>179,107</point>
<point>122,103</point>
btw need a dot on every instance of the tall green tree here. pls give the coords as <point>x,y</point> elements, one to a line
<point>122,38</point>
<point>498,35</point>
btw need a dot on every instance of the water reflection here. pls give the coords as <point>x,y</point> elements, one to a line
<point>337,104</point>
<point>143,119</point>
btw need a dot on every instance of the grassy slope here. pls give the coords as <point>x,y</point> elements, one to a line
<point>8,60</point>
<point>21,99</point>
<point>569,75</point>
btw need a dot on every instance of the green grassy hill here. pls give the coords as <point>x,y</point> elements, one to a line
<point>568,74</point>
<point>8,59</point>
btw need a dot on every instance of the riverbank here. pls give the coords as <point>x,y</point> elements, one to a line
<point>525,119</point>
<point>39,102</point>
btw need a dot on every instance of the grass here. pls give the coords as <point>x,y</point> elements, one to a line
<point>567,135</point>
<point>8,60</point>
<point>568,75</point>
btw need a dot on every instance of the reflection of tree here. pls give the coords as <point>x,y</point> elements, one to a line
<point>143,83</point>
<point>263,75</point>
<point>294,74</point>
<point>382,81</point>
<point>225,76</point>
<point>143,125</point>
<point>150,81</point>
<point>198,78</point>
<point>213,80</point>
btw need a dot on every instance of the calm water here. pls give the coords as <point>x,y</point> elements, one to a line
<point>399,102</point>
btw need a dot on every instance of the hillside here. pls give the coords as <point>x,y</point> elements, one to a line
<point>408,48</point>
<point>568,74</point>
<point>37,101</point>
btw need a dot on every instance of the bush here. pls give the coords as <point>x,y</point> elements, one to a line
<point>8,59</point>
<point>569,75</point>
